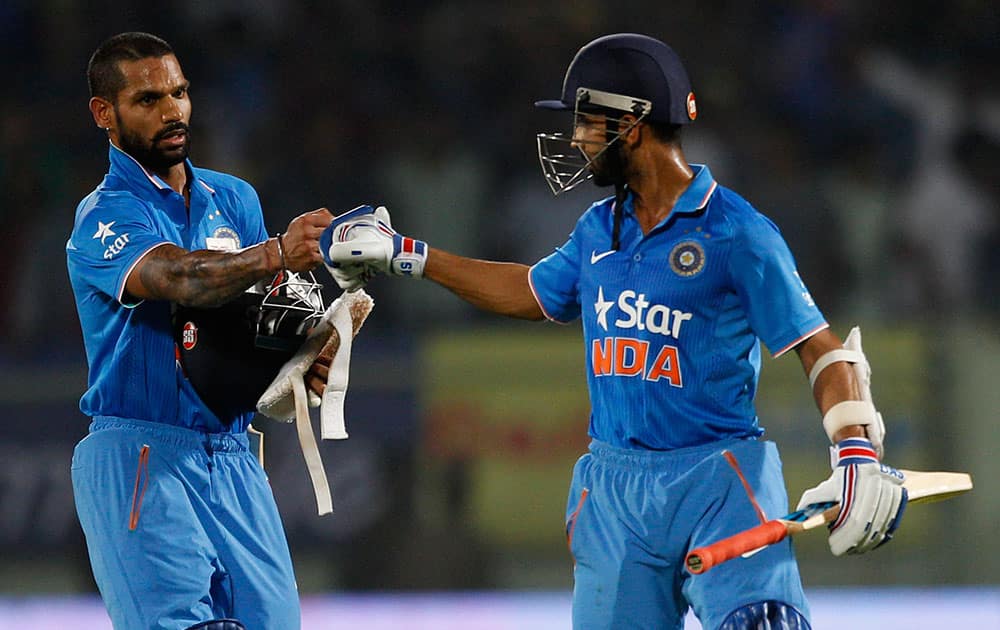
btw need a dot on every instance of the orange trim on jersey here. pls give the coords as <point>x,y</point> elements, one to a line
<point>572,520</point>
<point>179,359</point>
<point>746,485</point>
<point>139,491</point>
<point>708,195</point>
<point>809,334</point>
<point>135,263</point>
<point>534,294</point>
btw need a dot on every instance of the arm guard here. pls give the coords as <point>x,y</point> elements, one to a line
<point>850,412</point>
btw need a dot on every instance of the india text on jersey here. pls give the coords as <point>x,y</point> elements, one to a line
<point>625,356</point>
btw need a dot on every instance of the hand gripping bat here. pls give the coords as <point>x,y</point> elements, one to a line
<point>921,487</point>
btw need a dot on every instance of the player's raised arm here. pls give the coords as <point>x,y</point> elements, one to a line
<point>499,287</point>
<point>363,241</point>
<point>205,278</point>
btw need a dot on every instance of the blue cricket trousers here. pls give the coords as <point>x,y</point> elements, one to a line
<point>633,515</point>
<point>181,528</point>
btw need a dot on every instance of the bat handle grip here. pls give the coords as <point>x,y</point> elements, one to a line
<point>704,558</point>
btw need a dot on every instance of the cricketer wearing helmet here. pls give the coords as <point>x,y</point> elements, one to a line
<point>677,280</point>
<point>180,522</point>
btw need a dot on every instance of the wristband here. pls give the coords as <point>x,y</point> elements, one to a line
<point>281,251</point>
<point>408,256</point>
<point>855,451</point>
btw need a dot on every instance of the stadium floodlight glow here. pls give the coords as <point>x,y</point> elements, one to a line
<point>564,163</point>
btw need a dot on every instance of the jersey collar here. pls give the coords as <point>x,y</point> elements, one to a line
<point>694,198</point>
<point>698,192</point>
<point>127,167</point>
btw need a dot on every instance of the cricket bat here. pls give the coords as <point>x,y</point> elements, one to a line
<point>921,487</point>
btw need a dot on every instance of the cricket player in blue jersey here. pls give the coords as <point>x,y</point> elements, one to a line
<point>677,280</point>
<point>181,526</point>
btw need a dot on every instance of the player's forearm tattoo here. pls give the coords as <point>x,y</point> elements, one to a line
<point>202,278</point>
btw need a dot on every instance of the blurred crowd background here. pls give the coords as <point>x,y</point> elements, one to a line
<point>868,131</point>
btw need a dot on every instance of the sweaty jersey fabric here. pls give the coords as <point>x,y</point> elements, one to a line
<point>130,348</point>
<point>673,320</point>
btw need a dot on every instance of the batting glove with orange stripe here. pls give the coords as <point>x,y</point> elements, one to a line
<point>871,496</point>
<point>364,238</point>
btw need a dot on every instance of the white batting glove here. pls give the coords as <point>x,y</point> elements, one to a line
<point>871,496</point>
<point>348,276</point>
<point>364,236</point>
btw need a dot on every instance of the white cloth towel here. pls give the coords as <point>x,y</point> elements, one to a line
<point>286,399</point>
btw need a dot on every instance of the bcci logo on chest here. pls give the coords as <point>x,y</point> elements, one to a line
<point>687,258</point>
<point>223,239</point>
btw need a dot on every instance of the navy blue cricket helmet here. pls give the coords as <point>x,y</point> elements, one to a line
<point>615,75</point>
<point>635,66</point>
<point>231,353</point>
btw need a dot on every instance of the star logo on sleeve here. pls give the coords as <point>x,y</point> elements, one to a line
<point>601,307</point>
<point>104,231</point>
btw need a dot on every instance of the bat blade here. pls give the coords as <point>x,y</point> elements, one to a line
<point>922,487</point>
<point>930,487</point>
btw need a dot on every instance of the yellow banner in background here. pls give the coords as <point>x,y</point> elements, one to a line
<point>507,409</point>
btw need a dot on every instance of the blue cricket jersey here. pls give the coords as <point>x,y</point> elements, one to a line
<point>130,347</point>
<point>673,320</point>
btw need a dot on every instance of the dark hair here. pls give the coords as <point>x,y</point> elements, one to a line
<point>665,132</point>
<point>104,76</point>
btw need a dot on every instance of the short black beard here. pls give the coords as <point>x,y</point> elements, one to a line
<point>146,153</point>
<point>609,167</point>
